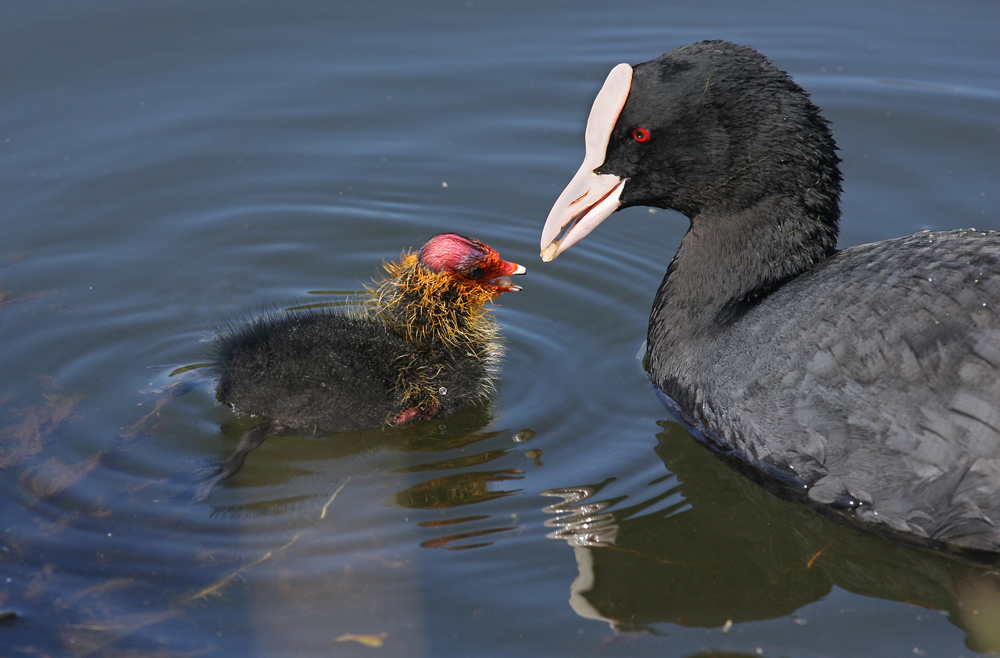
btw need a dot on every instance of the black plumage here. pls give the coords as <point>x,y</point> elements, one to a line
<point>421,345</point>
<point>864,380</point>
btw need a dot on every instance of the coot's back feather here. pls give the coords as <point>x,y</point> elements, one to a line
<point>862,399</point>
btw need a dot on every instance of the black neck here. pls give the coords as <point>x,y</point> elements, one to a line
<point>728,262</point>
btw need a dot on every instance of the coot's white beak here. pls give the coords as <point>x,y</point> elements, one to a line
<point>590,197</point>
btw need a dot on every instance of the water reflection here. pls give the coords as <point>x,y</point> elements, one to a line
<point>582,523</point>
<point>457,432</point>
<point>98,549</point>
<point>735,553</point>
<point>458,490</point>
<point>457,481</point>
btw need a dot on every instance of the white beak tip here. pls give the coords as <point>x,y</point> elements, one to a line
<point>550,252</point>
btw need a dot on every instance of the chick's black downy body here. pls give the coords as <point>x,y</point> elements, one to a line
<point>336,372</point>
<point>421,346</point>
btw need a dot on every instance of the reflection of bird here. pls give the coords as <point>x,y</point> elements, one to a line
<point>423,346</point>
<point>700,549</point>
<point>866,378</point>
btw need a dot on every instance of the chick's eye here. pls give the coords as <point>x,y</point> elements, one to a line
<point>474,273</point>
<point>640,134</point>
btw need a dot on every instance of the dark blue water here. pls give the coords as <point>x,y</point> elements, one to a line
<point>165,167</point>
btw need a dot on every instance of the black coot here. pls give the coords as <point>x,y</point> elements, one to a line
<point>422,346</point>
<point>865,379</point>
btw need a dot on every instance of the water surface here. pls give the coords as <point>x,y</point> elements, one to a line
<point>166,167</point>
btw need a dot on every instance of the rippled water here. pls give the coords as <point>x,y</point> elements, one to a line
<point>166,167</point>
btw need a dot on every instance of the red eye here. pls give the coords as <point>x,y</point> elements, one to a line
<point>640,134</point>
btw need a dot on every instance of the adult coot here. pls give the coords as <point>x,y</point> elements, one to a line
<point>422,346</point>
<point>865,379</point>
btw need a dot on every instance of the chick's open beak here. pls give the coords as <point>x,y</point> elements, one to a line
<point>503,282</point>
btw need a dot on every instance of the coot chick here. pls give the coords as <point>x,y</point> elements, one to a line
<point>421,346</point>
<point>864,380</point>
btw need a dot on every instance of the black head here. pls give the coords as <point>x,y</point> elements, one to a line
<point>708,128</point>
<point>715,125</point>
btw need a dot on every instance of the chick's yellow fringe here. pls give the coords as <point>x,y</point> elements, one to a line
<point>425,308</point>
